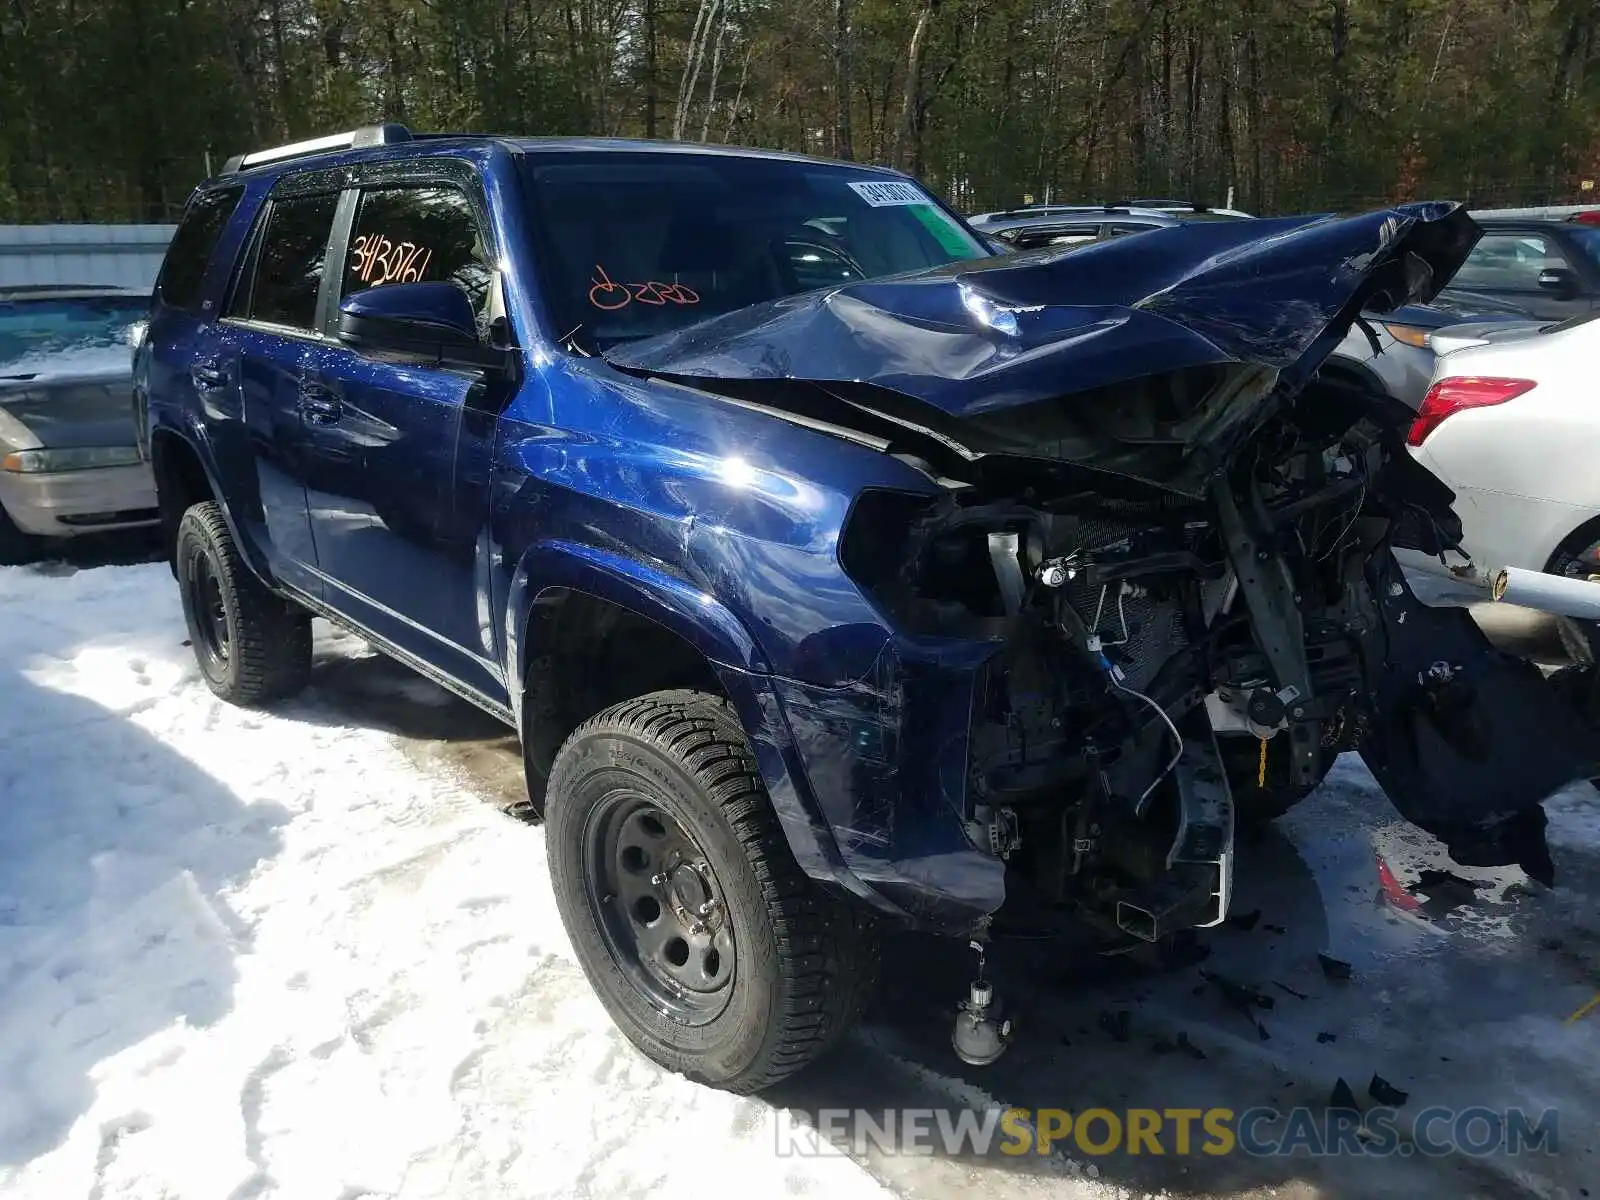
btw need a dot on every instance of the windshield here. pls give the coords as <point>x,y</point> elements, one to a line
<point>35,329</point>
<point>642,244</point>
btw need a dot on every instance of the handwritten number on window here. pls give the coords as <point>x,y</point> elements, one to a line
<point>610,296</point>
<point>375,260</point>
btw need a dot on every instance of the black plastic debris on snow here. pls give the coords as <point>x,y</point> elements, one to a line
<point>1325,1037</point>
<point>1385,1093</point>
<point>1343,1097</point>
<point>1334,968</point>
<point>1189,1047</point>
<point>1117,1024</point>
<point>1242,998</point>
<point>1445,889</point>
<point>1276,928</point>
<point>1286,988</point>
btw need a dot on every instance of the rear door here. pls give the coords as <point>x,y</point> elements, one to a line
<point>178,350</point>
<point>400,525</point>
<point>271,327</point>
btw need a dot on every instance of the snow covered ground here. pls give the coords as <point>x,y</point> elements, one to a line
<point>247,955</point>
<point>302,955</point>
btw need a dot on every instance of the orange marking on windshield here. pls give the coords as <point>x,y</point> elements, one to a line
<point>608,295</point>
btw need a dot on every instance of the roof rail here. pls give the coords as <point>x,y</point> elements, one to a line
<point>368,135</point>
<point>1190,205</point>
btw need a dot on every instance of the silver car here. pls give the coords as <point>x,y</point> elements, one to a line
<point>69,463</point>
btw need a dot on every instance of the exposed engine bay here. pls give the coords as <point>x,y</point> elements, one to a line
<point>1173,668</point>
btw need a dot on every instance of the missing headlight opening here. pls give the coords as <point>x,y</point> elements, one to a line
<point>1168,668</point>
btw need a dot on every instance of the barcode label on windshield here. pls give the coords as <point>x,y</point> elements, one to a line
<point>883,194</point>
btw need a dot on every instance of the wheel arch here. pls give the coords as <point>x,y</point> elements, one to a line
<point>571,604</point>
<point>185,474</point>
<point>1583,536</point>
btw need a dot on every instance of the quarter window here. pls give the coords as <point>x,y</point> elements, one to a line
<point>289,263</point>
<point>192,245</point>
<point>413,234</point>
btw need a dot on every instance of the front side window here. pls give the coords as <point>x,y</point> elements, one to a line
<point>633,245</point>
<point>1509,262</point>
<point>408,234</point>
<point>289,263</point>
<point>192,246</point>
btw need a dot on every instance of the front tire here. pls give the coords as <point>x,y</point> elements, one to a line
<point>252,647</point>
<point>710,948</point>
<point>16,547</point>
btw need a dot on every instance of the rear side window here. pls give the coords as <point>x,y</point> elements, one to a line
<point>289,261</point>
<point>414,233</point>
<point>192,245</point>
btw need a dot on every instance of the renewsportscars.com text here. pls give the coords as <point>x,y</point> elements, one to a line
<point>1261,1132</point>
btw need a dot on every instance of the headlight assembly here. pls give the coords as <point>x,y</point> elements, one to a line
<point>77,458</point>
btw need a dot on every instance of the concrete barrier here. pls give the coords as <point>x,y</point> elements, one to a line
<point>124,255</point>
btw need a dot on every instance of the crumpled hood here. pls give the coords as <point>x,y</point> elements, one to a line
<point>989,334</point>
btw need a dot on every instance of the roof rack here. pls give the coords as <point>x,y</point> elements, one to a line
<point>368,135</point>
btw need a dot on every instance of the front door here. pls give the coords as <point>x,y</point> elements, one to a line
<point>401,525</point>
<point>269,333</point>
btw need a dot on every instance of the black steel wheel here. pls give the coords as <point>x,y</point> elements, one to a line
<point>204,587</point>
<point>252,647</point>
<point>709,947</point>
<point>658,906</point>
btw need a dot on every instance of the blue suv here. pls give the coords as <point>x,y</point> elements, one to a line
<point>835,572</point>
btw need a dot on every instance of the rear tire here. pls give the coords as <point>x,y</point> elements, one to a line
<point>252,646</point>
<point>655,812</point>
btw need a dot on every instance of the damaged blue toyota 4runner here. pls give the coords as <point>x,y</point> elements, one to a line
<point>836,573</point>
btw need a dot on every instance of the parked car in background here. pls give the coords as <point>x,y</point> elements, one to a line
<point>1511,426</point>
<point>69,460</point>
<point>1034,226</point>
<point>1388,352</point>
<point>1550,268</point>
<point>1393,351</point>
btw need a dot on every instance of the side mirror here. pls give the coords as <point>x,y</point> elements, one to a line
<point>1560,280</point>
<point>431,320</point>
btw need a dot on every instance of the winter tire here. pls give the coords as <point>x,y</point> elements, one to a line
<point>252,647</point>
<point>16,547</point>
<point>711,949</point>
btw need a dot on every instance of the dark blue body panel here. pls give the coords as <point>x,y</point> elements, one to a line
<point>434,507</point>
